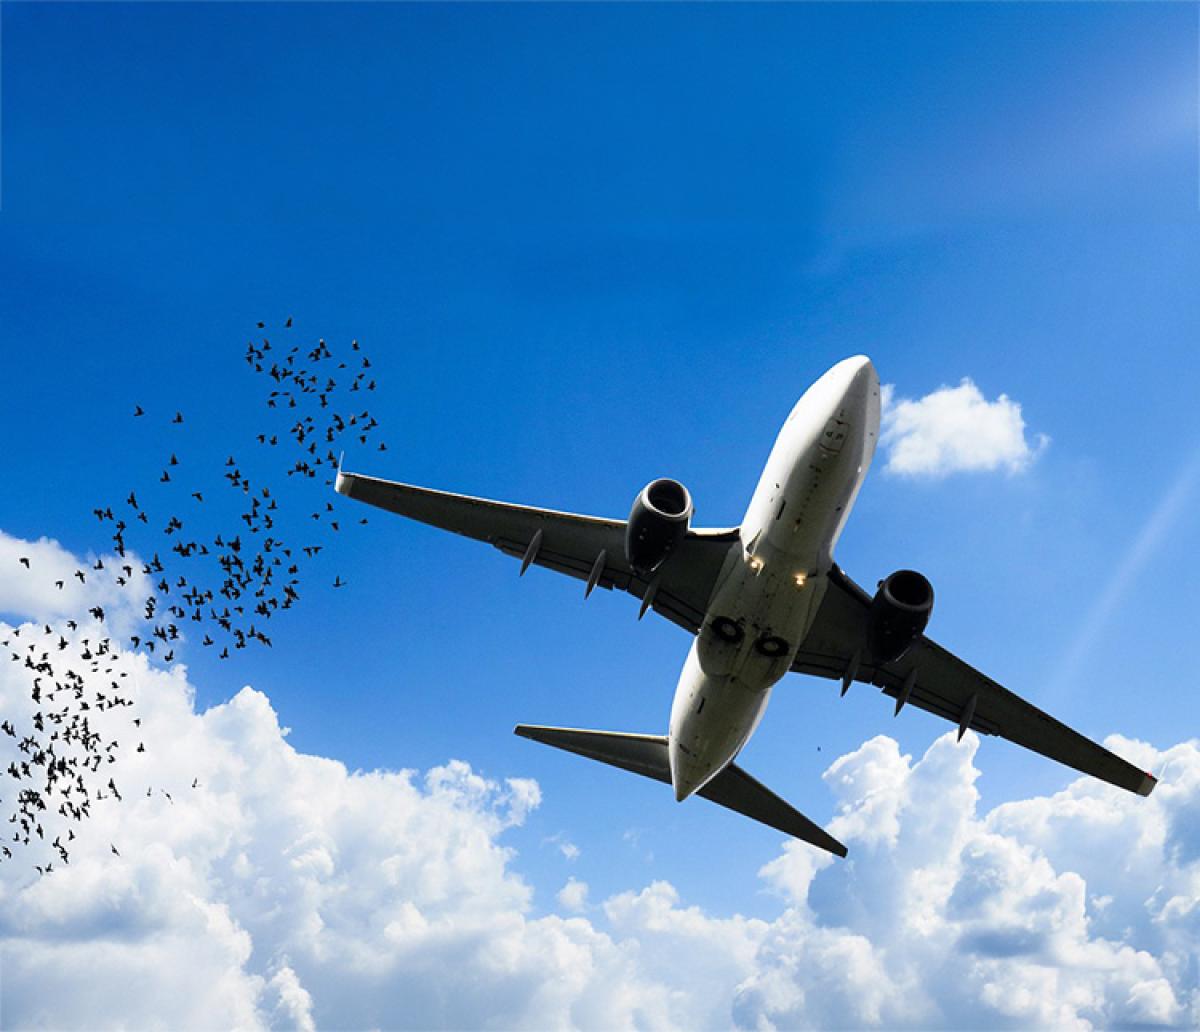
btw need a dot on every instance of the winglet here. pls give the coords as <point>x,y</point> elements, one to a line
<point>341,485</point>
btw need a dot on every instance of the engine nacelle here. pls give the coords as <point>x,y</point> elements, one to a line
<point>657,523</point>
<point>899,613</point>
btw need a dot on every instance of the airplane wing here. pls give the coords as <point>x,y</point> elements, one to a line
<point>588,548</point>
<point>933,679</point>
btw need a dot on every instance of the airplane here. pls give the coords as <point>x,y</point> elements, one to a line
<point>760,600</point>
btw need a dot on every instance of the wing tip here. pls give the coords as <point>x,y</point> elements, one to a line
<point>1147,785</point>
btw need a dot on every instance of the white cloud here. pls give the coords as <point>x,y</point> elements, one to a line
<point>564,845</point>
<point>287,891</point>
<point>294,1008</point>
<point>33,591</point>
<point>955,430</point>
<point>572,897</point>
<point>997,904</point>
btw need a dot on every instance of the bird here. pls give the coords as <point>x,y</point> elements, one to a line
<point>138,410</point>
<point>178,418</point>
<point>116,852</point>
<point>24,561</point>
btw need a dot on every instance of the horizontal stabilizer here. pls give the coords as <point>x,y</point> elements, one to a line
<point>733,788</point>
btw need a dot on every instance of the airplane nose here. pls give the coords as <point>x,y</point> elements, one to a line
<point>862,375</point>
<point>852,377</point>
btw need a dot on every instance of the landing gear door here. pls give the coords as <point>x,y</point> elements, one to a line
<point>833,437</point>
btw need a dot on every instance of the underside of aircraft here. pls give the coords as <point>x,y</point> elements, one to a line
<point>759,600</point>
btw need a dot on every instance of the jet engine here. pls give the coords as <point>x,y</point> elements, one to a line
<point>899,613</point>
<point>657,523</point>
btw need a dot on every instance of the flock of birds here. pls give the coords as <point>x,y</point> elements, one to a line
<point>226,581</point>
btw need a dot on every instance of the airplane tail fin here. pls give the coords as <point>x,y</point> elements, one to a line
<point>733,788</point>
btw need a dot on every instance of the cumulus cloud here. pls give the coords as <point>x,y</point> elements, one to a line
<point>955,430</point>
<point>287,891</point>
<point>572,897</point>
<point>49,587</point>
<point>998,905</point>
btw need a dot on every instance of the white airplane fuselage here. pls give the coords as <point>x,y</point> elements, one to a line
<point>769,591</point>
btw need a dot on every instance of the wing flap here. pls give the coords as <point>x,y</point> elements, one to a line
<point>733,788</point>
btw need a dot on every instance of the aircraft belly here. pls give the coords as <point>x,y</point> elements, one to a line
<point>807,507</point>
<point>713,716</point>
<point>771,589</point>
<point>755,623</point>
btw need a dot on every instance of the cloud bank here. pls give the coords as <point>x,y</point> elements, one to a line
<point>284,890</point>
<point>955,430</point>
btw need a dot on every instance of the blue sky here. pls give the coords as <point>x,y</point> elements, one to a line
<point>590,245</point>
